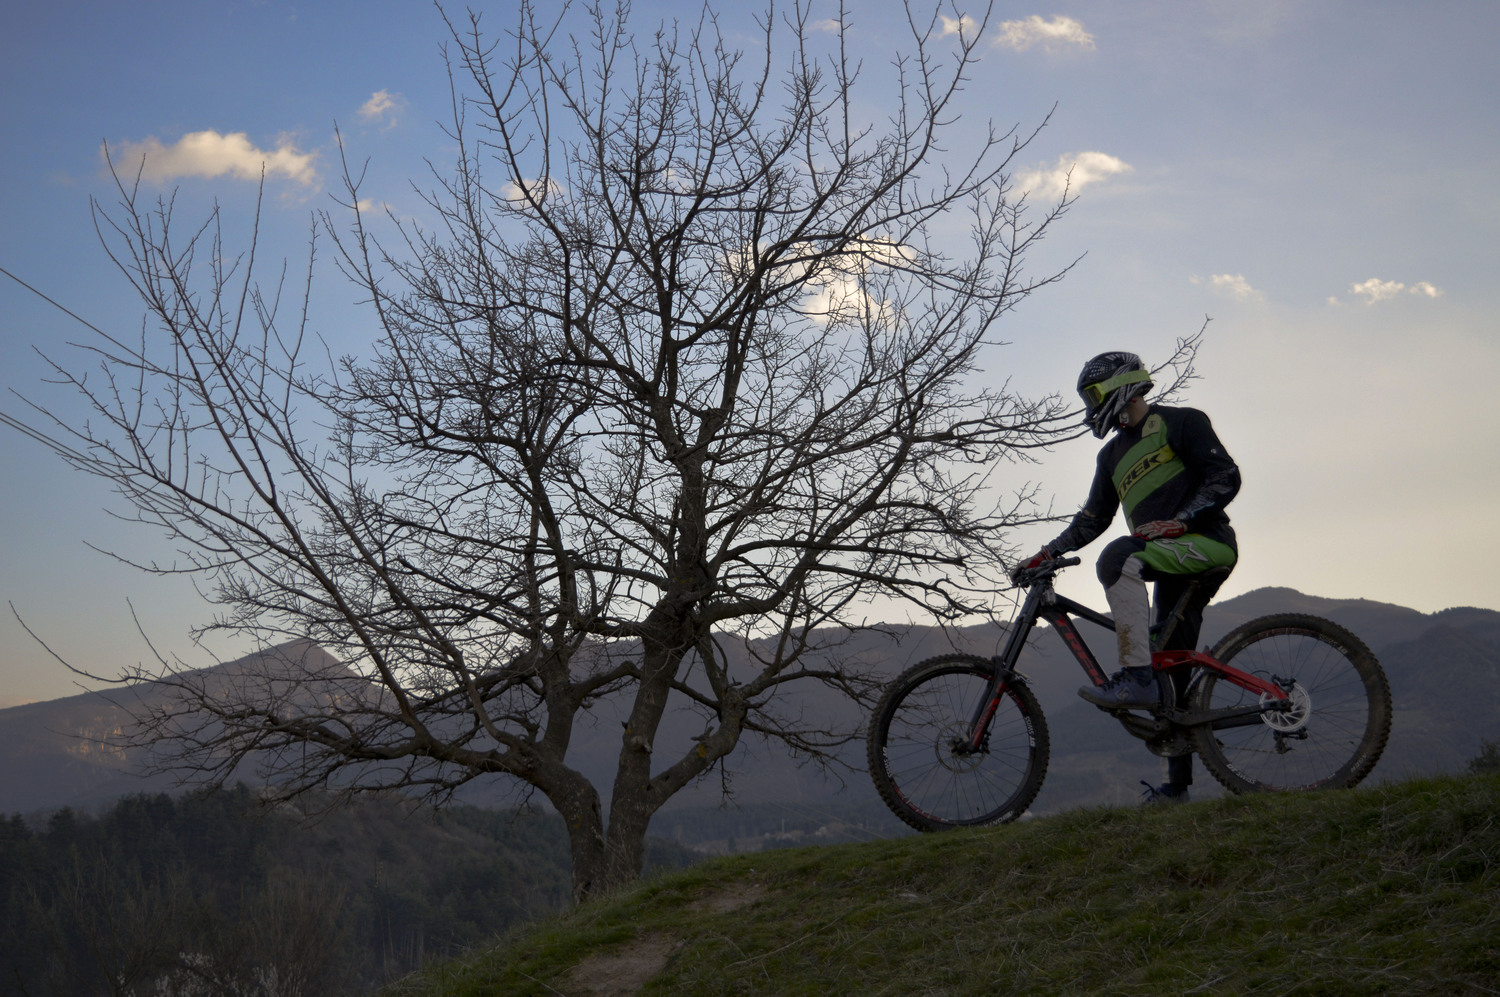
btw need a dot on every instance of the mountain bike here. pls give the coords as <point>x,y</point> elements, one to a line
<point>1284,702</point>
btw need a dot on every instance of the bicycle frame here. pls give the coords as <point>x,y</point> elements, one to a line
<point>1043,602</point>
<point>1287,701</point>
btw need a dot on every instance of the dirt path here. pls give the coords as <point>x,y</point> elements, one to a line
<point>622,973</point>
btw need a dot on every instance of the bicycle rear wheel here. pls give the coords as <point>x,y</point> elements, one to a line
<point>1341,715</point>
<point>916,755</point>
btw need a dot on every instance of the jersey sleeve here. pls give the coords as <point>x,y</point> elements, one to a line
<point>1203,454</point>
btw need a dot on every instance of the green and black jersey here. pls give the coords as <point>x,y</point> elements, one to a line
<point>1170,465</point>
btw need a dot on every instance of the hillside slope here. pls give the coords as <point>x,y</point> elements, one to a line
<point>77,751</point>
<point>1393,889</point>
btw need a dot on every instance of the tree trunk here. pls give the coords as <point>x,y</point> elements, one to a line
<point>625,841</point>
<point>632,803</point>
<point>578,803</point>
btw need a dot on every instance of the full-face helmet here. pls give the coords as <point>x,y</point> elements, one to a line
<point>1108,383</point>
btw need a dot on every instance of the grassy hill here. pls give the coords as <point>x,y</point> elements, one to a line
<point>1393,889</point>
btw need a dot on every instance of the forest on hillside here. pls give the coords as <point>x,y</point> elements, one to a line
<point>210,894</point>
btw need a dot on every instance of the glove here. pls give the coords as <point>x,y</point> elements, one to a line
<point>1045,554</point>
<point>1161,529</point>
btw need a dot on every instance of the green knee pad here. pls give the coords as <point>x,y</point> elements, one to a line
<point>1188,554</point>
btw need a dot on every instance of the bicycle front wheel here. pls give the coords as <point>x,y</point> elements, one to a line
<point>1341,707</point>
<point>918,754</point>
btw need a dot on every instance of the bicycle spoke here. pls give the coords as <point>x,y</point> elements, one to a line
<point>1334,680</point>
<point>918,747</point>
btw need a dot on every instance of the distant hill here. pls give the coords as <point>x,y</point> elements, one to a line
<point>1444,670</point>
<point>73,751</point>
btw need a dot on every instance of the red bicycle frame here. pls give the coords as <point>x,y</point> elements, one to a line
<point>1043,602</point>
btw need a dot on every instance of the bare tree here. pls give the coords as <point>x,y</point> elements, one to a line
<point>686,375</point>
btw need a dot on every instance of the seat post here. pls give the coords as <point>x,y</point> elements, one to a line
<point>1163,632</point>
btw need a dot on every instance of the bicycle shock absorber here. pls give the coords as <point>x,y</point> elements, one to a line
<point>976,739</point>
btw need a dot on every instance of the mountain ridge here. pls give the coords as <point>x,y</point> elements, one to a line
<point>74,750</point>
<point>1444,669</point>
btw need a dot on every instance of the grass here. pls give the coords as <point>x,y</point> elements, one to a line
<point>1392,889</point>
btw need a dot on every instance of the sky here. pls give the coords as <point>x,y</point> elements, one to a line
<point>1317,178</point>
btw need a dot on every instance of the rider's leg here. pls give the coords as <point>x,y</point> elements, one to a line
<point>1184,637</point>
<point>1124,568</point>
<point>1169,590</point>
<point>1123,577</point>
<point>1180,770</point>
<point>1130,605</point>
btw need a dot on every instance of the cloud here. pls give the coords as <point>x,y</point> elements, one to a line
<point>964,26</point>
<point>382,105</point>
<point>1051,35</point>
<point>843,294</point>
<point>841,290</point>
<point>516,190</point>
<point>1071,173</point>
<point>828,24</point>
<point>841,298</point>
<point>1233,284</point>
<point>1376,290</point>
<point>209,154</point>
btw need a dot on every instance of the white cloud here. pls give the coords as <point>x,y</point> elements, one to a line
<point>1071,173</point>
<point>843,294</point>
<point>516,190</point>
<point>1375,289</point>
<point>828,24</point>
<point>964,26</point>
<point>842,298</point>
<point>1051,35</point>
<point>1233,284</point>
<point>382,104</point>
<point>841,291</point>
<point>883,252</point>
<point>209,154</point>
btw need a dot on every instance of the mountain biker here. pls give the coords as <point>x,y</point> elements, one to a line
<point>1173,477</point>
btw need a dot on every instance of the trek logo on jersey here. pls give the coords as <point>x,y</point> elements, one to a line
<point>1143,467</point>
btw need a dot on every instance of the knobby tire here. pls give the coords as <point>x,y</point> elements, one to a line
<point>1349,719</point>
<point>923,714</point>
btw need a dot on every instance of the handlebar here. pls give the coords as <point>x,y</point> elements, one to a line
<point>1025,577</point>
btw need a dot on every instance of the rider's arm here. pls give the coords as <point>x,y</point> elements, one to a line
<point>1203,454</point>
<point>1095,516</point>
